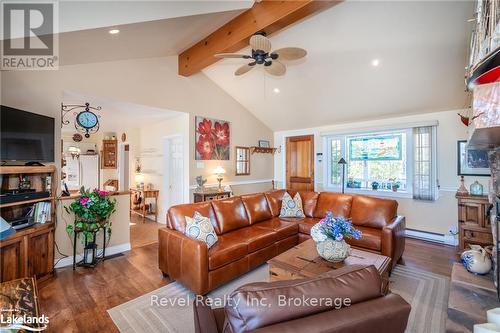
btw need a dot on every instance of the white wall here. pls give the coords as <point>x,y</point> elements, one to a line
<point>152,158</point>
<point>435,216</point>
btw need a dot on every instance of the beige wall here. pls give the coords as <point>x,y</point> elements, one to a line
<point>120,230</point>
<point>435,216</point>
<point>151,82</point>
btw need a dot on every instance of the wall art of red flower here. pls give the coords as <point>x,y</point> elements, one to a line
<point>212,139</point>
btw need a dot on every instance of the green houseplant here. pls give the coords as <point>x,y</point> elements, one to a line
<point>92,210</point>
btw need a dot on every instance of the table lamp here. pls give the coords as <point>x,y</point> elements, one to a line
<point>139,181</point>
<point>219,171</point>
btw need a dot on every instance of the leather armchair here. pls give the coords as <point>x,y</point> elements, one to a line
<point>368,309</point>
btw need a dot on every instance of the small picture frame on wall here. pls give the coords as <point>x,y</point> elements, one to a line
<point>472,161</point>
<point>264,144</point>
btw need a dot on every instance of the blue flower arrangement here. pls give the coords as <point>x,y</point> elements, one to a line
<point>338,228</point>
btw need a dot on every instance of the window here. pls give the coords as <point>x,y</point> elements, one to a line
<point>376,161</point>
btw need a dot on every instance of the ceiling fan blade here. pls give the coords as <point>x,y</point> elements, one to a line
<point>243,69</point>
<point>259,42</point>
<point>291,53</point>
<point>231,55</point>
<point>276,68</point>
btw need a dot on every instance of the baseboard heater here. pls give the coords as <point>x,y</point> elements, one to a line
<point>431,237</point>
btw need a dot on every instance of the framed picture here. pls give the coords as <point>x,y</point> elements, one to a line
<point>472,161</point>
<point>264,144</point>
<point>212,138</point>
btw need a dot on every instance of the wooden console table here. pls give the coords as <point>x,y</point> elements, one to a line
<point>208,194</point>
<point>144,194</point>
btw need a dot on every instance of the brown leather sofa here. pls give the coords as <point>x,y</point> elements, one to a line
<point>250,232</point>
<point>368,310</point>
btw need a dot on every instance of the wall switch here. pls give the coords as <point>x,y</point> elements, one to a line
<point>200,165</point>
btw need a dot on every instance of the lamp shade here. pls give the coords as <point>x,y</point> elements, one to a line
<point>139,177</point>
<point>342,161</point>
<point>219,170</point>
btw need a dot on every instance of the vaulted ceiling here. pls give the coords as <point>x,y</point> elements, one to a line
<point>420,48</point>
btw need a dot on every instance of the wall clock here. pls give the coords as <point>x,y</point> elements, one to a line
<point>86,120</point>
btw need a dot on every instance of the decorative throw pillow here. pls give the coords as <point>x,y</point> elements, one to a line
<point>199,227</point>
<point>291,207</point>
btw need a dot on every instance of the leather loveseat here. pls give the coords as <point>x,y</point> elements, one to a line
<point>368,310</point>
<point>250,232</point>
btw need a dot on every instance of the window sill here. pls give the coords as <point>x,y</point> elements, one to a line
<point>375,193</point>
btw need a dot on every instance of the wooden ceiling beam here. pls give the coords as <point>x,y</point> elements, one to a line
<point>267,15</point>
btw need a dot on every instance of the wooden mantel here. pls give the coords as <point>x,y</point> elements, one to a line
<point>266,15</point>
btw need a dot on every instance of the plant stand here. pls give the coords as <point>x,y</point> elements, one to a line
<point>95,259</point>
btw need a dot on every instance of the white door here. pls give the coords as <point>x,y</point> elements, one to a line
<point>176,174</point>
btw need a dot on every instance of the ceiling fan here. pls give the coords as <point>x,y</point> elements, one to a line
<point>262,55</point>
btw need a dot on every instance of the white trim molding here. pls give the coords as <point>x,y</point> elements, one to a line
<point>235,183</point>
<point>432,237</point>
<point>68,261</point>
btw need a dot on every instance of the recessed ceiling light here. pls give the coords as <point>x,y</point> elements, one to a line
<point>114,31</point>
<point>375,62</point>
<point>276,90</point>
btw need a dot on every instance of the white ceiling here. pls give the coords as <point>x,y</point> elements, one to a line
<point>421,47</point>
<point>139,40</point>
<point>116,116</point>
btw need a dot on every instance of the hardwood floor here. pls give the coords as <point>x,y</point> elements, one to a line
<point>76,301</point>
<point>143,233</point>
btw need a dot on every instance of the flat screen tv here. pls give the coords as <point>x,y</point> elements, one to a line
<point>26,136</point>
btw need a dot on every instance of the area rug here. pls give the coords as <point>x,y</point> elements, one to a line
<point>169,309</point>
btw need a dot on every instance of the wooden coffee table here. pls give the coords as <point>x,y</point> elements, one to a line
<point>302,261</point>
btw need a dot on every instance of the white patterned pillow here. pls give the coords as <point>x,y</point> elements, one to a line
<point>199,227</point>
<point>291,207</point>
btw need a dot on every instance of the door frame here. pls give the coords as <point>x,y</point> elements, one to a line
<point>315,166</point>
<point>121,161</point>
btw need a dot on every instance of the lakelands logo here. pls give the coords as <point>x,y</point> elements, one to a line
<point>29,35</point>
<point>27,323</point>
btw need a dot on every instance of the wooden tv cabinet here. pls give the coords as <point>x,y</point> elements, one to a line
<point>29,252</point>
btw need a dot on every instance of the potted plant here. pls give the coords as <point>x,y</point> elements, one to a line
<point>395,186</point>
<point>375,186</point>
<point>330,234</point>
<point>92,210</point>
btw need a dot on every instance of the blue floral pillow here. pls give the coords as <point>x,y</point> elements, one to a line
<point>199,227</point>
<point>291,207</point>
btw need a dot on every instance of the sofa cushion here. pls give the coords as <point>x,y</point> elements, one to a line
<point>254,237</point>
<point>309,201</point>
<point>225,251</point>
<point>282,228</point>
<point>371,239</point>
<point>256,207</point>
<point>337,203</point>
<point>306,224</point>
<point>292,207</point>
<point>230,214</point>
<point>373,212</point>
<point>199,227</point>
<point>354,282</point>
<point>176,216</point>
<point>274,200</point>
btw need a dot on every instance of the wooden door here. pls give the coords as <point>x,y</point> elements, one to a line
<point>300,163</point>
<point>41,252</point>
<point>13,261</point>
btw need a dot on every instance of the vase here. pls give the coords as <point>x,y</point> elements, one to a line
<point>333,250</point>
<point>476,260</point>
<point>476,188</point>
